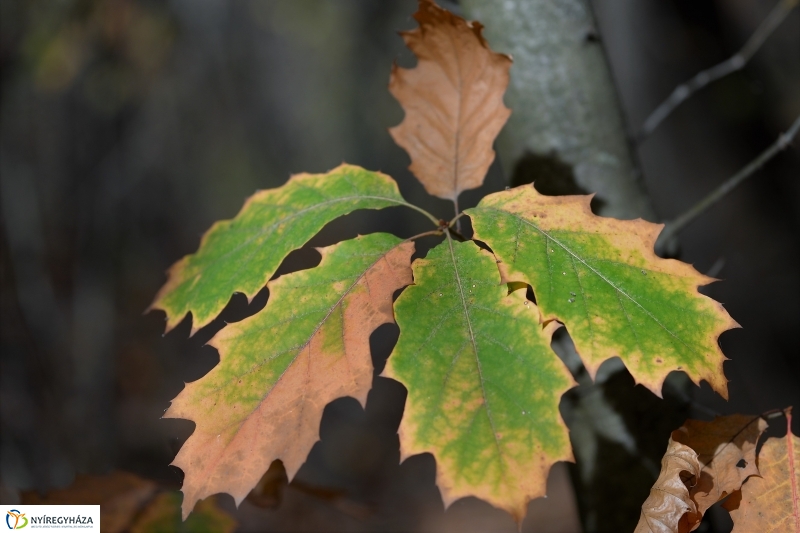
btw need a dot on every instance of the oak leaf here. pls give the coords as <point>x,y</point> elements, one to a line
<point>242,254</point>
<point>721,445</point>
<point>453,100</point>
<point>279,368</point>
<point>770,502</point>
<point>483,383</point>
<point>600,277</point>
<point>669,505</point>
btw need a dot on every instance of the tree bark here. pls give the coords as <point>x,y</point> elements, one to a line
<point>562,95</point>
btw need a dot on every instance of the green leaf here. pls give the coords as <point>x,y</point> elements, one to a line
<point>601,278</point>
<point>242,254</point>
<point>279,368</point>
<point>483,384</point>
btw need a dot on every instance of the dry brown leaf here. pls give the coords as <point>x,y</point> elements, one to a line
<point>453,101</point>
<point>120,495</point>
<point>721,445</point>
<point>770,502</point>
<point>667,508</point>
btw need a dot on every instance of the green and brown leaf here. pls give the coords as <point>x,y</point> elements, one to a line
<point>279,368</point>
<point>483,384</point>
<point>602,279</point>
<point>242,254</point>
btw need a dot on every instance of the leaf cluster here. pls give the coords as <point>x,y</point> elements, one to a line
<point>474,352</point>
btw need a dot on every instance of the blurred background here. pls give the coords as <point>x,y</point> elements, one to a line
<point>127,127</point>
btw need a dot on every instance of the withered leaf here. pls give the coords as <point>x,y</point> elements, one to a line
<point>453,101</point>
<point>669,505</point>
<point>770,502</point>
<point>721,445</point>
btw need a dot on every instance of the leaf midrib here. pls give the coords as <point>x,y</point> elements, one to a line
<point>475,350</point>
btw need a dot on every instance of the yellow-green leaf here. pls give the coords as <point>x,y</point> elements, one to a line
<point>601,278</point>
<point>483,383</point>
<point>242,254</point>
<point>279,368</point>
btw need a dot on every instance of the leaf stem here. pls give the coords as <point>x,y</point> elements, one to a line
<point>458,215</point>
<point>425,234</point>
<point>736,62</point>
<point>673,227</point>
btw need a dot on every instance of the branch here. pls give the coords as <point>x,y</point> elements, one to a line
<point>673,227</point>
<point>736,62</point>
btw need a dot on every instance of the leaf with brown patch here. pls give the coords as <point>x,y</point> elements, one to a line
<point>242,254</point>
<point>601,278</point>
<point>722,445</point>
<point>279,368</point>
<point>453,101</point>
<point>770,501</point>
<point>483,383</point>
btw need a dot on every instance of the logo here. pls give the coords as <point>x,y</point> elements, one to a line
<point>18,517</point>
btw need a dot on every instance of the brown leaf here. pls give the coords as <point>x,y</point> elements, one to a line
<point>453,101</point>
<point>120,495</point>
<point>721,445</point>
<point>770,502</point>
<point>665,510</point>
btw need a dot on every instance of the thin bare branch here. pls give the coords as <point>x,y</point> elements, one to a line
<point>673,227</point>
<point>736,62</point>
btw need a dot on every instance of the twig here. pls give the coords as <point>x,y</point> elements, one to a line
<point>673,227</point>
<point>425,234</point>
<point>736,62</point>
